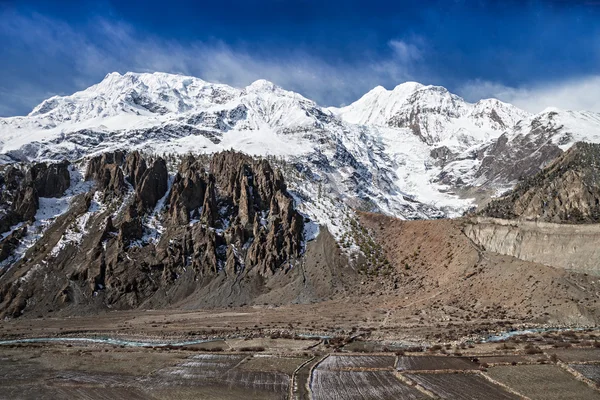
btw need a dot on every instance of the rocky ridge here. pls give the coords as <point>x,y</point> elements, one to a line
<point>567,191</point>
<point>142,237</point>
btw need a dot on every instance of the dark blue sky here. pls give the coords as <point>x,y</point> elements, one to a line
<point>330,51</point>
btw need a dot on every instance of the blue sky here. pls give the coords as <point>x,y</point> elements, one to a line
<point>532,53</point>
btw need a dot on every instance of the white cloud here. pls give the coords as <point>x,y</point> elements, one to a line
<point>65,59</point>
<point>571,94</point>
<point>405,52</point>
<point>119,47</point>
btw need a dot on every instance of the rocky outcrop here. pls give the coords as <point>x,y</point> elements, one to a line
<point>131,228</point>
<point>265,210</point>
<point>11,241</point>
<point>187,192</point>
<point>135,166</point>
<point>50,180</point>
<point>97,165</point>
<point>106,171</point>
<point>120,245</point>
<point>21,187</point>
<point>248,201</point>
<point>567,191</point>
<point>152,184</point>
<point>112,172</point>
<point>26,203</point>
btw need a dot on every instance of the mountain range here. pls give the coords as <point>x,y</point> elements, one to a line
<point>415,151</point>
<point>158,191</point>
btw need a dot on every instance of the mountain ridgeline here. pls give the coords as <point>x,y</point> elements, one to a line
<point>415,151</point>
<point>165,191</point>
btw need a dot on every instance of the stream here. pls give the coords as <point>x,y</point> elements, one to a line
<point>506,335</point>
<point>134,343</point>
<point>111,341</point>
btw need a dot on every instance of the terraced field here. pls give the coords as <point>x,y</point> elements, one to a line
<point>266,362</point>
<point>435,363</point>
<point>221,370</point>
<point>359,377</point>
<point>457,386</point>
<point>354,385</point>
<point>578,355</point>
<point>202,366</point>
<point>543,382</point>
<point>344,363</point>
<point>69,393</point>
<point>590,371</point>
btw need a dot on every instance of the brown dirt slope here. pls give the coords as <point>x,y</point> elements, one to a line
<point>449,278</point>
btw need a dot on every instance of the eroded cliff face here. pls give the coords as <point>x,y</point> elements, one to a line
<point>571,247</point>
<point>215,233</point>
<point>551,218</point>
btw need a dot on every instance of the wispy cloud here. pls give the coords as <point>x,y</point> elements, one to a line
<point>405,51</point>
<point>73,59</point>
<point>44,56</point>
<point>572,94</point>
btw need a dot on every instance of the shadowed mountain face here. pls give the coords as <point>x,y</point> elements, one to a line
<point>568,191</point>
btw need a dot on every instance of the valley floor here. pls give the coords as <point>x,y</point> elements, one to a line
<point>548,366</point>
<point>370,316</point>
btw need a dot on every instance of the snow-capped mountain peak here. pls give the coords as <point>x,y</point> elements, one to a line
<point>135,93</point>
<point>378,105</point>
<point>262,85</point>
<point>433,114</point>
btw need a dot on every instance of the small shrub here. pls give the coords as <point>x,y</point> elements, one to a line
<point>533,350</point>
<point>563,345</point>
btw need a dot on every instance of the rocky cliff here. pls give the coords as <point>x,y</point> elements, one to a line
<point>21,186</point>
<point>215,232</point>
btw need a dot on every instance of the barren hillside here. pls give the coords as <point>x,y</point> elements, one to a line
<point>446,275</point>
